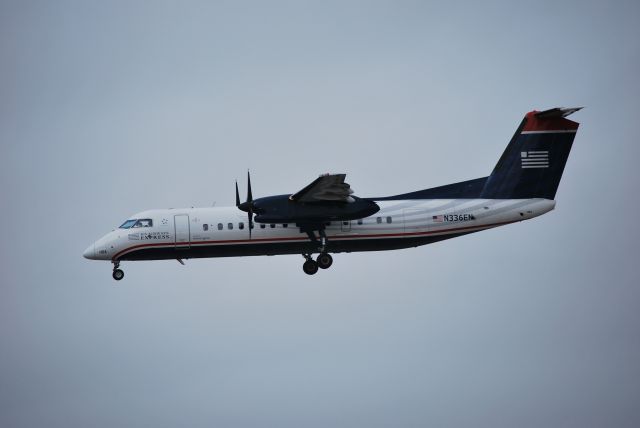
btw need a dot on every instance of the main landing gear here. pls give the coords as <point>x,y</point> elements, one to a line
<point>323,261</point>
<point>118,274</point>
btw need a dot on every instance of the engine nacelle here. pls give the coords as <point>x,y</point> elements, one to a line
<point>280,209</point>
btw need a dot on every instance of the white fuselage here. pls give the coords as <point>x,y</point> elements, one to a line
<point>224,232</point>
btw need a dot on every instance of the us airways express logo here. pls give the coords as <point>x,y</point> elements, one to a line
<point>148,235</point>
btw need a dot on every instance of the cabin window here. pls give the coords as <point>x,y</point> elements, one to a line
<point>262,226</point>
<point>230,226</point>
<point>127,224</point>
<point>220,226</point>
<point>345,223</point>
<point>285,225</point>
<point>143,222</point>
<point>272,225</point>
<point>205,227</point>
<point>378,220</point>
<point>360,221</point>
<point>241,225</point>
<point>389,220</point>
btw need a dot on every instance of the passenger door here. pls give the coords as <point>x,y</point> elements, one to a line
<point>182,232</point>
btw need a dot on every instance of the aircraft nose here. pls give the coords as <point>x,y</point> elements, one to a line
<point>90,252</point>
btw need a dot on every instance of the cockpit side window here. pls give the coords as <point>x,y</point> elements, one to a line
<point>143,222</point>
<point>127,224</point>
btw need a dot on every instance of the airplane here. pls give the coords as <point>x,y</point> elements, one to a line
<point>325,217</point>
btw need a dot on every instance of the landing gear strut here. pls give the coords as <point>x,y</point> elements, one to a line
<point>118,274</point>
<point>310,229</point>
<point>323,242</point>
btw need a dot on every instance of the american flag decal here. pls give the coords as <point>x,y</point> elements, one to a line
<point>535,159</point>
<point>438,218</point>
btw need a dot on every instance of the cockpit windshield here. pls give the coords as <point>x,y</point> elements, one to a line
<point>127,224</point>
<point>135,223</point>
<point>143,222</point>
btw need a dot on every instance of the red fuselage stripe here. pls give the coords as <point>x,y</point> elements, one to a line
<point>304,238</point>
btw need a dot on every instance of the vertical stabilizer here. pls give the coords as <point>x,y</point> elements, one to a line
<point>533,162</point>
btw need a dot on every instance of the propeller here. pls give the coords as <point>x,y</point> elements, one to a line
<point>246,206</point>
<point>237,195</point>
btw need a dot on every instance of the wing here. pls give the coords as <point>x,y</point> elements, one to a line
<point>326,188</point>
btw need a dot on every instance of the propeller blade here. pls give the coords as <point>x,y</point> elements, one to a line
<point>246,206</point>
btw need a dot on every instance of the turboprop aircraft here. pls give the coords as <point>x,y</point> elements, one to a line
<point>326,217</point>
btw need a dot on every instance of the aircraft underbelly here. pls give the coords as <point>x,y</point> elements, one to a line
<point>266,249</point>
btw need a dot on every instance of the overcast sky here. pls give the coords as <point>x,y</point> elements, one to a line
<point>110,108</point>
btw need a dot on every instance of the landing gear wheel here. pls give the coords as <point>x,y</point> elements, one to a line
<point>118,274</point>
<point>310,267</point>
<point>324,260</point>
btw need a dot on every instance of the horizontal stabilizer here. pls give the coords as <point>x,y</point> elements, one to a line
<point>557,112</point>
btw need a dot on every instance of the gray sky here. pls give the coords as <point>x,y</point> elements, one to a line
<point>109,108</point>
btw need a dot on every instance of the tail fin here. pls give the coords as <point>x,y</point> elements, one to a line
<point>533,162</point>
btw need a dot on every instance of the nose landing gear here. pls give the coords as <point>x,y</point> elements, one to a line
<point>118,274</point>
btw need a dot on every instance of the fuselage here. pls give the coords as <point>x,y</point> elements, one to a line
<point>224,231</point>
